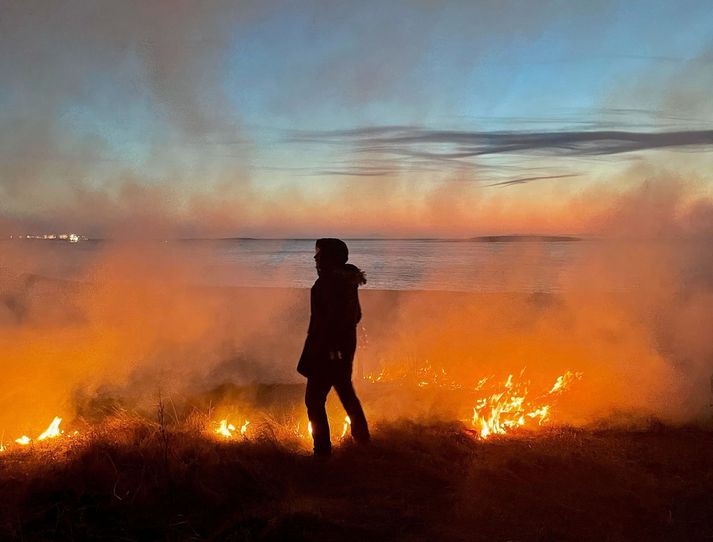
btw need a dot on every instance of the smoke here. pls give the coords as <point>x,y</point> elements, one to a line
<point>105,108</point>
<point>632,314</point>
<point>138,324</point>
<point>126,120</point>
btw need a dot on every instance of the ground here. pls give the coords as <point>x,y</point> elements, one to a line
<point>417,481</point>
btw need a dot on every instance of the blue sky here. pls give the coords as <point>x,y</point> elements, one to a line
<point>190,98</point>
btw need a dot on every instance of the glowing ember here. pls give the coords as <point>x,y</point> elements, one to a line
<point>52,431</point>
<point>509,408</point>
<point>347,423</point>
<point>423,376</point>
<point>24,440</point>
<point>309,428</point>
<point>563,381</point>
<point>244,428</point>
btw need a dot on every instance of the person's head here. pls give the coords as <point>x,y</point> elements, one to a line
<point>330,253</point>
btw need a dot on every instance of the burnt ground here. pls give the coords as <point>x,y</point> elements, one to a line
<point>133,481</point>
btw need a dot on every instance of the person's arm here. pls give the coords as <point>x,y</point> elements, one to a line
<point>315,334</point>
<point>343,313</point>
<point>322,304</point>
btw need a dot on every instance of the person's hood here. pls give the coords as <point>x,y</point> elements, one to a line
<point>351,273</point>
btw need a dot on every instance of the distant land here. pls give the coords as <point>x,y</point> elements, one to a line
<point>518,238</point>
<point>513,238</point>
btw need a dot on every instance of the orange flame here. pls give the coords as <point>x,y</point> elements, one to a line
<point>347,423</point>
<point>509,408</point>
<point>227,430</point>
<point>52,431</point>
<point>244,428</point>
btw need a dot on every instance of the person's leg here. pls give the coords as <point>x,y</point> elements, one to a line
<point>347,395</point>
<point>315,399</point>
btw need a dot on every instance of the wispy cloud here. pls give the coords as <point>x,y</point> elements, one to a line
<point>523,180</point>
<point>487,155</point>
<point>353,173</point>
<point>428,143</point>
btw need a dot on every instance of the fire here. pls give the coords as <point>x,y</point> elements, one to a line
<point>347,423</point>
<point>422,375</point>
<point>343,434</point>
<point>509,408</point>
<point>53,430</point>
<point>563,381</point>
<point>227,430</point>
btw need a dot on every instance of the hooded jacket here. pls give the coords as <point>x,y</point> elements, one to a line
<point>334,315</point>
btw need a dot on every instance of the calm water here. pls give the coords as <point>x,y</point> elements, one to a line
<point>405,264</point>
<point>526,266</point>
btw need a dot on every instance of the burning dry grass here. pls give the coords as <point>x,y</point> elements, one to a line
<point>130,478</point>
<point>234,464</point>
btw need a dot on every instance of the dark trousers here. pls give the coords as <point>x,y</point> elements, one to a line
<point>318,387</point>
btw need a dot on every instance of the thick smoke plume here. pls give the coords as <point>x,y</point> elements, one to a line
<point>633,316</point>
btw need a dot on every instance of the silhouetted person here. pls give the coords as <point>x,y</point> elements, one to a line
<point>328,353</point>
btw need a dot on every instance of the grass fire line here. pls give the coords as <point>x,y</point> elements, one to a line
<point>508,407</point>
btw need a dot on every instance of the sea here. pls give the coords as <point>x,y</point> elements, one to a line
<point>489,264</point>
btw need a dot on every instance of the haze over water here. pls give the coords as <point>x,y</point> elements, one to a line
<point>394,264</point>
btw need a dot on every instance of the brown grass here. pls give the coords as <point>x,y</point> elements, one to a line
<point>133,479</point>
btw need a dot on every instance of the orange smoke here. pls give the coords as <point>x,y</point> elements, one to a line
<point>632,315</point>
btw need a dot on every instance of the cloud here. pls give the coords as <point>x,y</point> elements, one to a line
<point>523,180</point>
<point>464,144</point>
<point>354,173</point>
<point>119,115</point>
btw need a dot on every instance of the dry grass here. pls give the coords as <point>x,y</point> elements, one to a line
<point>134,479</point>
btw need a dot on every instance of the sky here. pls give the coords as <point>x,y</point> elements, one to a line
<point>302,119</point>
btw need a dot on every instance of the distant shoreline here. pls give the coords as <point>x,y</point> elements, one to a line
<point>521,238</point>
<point>478,239</point>
<point>512,238</point>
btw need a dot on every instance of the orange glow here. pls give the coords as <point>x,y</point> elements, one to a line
<point>228,430</point>
<point>510,407</point>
